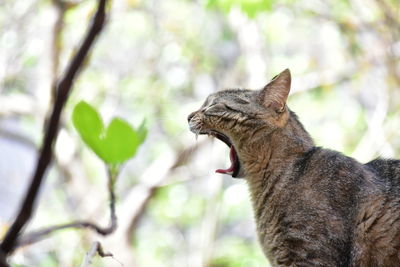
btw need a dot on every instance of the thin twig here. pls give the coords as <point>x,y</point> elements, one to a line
<point>63,90</point>
<point>181,158</point>
<point>96,248</point>
<point>41,234</point>
<point>38,235</point>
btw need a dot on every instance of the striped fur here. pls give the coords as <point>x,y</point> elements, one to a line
<point>312,206</point>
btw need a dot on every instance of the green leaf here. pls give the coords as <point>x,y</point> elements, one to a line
<point>89,124</point>
<point>114,144</point>
<point>120,142</point>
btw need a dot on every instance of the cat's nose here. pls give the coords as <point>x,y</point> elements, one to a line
<point>191,115</point>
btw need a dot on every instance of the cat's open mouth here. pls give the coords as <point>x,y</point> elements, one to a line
<point>235,164</point>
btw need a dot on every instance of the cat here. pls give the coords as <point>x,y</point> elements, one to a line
<point>312,206</point>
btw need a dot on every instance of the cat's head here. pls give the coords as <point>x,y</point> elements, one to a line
<point>240,118</point>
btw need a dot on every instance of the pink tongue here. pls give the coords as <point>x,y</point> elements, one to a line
<point>232,157</point>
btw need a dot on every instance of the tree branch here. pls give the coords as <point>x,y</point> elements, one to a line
<point>63,90</point>
<point>39,235</point>
<point>134,215</point>
<point>96,248</point>
<point>61,7</point>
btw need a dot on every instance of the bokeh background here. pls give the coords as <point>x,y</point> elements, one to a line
<point>158,60</point>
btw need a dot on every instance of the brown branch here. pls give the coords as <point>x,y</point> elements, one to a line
<point>96,248</point>
<point>3,260</point>
<point>181,158</point>
<point>61,7</point>
<point>56,46</point>
<point>38,235</point>
<point>63,90</point>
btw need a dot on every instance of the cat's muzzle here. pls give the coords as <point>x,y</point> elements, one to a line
<point>195,126</point>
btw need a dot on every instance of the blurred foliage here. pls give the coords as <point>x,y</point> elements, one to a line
<point>159,60</point>
<point>248,7</point>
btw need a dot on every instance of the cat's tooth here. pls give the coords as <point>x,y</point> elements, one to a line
<point>197,135</point>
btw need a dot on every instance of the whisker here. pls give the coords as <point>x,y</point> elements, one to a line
<point>198,132</point>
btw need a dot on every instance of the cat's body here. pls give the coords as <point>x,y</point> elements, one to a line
<point>313,206</point>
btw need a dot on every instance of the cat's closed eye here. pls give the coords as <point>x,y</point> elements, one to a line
<point>214,109</point>
<point>242,101</point>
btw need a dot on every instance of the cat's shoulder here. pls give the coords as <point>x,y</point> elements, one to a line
<point>330,157</point>
<point>328,163</point>
<point>387,170</point>
<point>384,166</point>
<point>384,163</point>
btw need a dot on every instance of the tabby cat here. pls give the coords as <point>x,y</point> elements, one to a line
<point>313,206</point>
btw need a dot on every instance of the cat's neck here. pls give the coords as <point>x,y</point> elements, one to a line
<point>267,157</point>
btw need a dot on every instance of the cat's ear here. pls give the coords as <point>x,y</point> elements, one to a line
<point>275,93</point>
